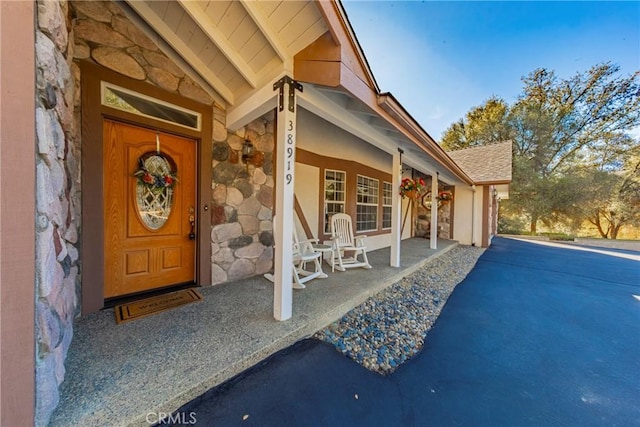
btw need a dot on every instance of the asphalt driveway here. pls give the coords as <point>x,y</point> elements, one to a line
<point>535,335</point>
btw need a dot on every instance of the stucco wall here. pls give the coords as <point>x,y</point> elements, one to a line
<point>463,212</point>
<point>17,207</point>
<point>308,194</point>
<point>307,184</point>
<point>467,209</point>
<point>321,137</point>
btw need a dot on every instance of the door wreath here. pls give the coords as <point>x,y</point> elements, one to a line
<point>156,178</point>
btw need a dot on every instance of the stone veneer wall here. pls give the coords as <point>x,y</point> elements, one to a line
<point>423,217</point>
<point>241,194</point>
<point>57,202</point>
<point>104,35</point>
<point>242,200</point>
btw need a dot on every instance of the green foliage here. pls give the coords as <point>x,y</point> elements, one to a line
<point>557,121</point>
<point>616,197</point>
<point>482,125</point>
<point>570,145</point>
<point>510,225</point>
<point>559,236</point>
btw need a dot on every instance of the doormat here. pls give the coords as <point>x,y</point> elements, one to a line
<point>158,304</point>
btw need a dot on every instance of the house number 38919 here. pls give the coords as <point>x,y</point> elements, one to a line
<point>289,138</point>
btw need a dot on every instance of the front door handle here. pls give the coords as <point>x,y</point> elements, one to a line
<point>192,222</point>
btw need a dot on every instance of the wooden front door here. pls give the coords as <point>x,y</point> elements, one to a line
<point>148,238</point>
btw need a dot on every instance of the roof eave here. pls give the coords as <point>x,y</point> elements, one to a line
<point>493,182</point>
<point>391,105</point>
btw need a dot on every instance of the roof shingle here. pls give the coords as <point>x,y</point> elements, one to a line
<point>487,164</point>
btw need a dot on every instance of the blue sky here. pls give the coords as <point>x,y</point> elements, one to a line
<point>440,58</point>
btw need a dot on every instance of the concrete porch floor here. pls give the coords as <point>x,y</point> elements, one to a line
<point>118,374</point>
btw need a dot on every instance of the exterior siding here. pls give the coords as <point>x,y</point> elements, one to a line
<point>17,205</point>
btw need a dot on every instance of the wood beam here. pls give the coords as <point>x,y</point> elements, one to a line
<point>332,90</point>
<point>170,52</point>
<point>326,73</point>
<point>263,23</point>
<point>261,101</point>
<point>181,47</point>
<point>215,35</point>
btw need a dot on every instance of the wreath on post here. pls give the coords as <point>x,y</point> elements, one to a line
<point>445,196</point>
<point>153,175</point>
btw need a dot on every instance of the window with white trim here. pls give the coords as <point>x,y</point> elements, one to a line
<point>334,195</point>
<point>367,204</point>
<point>387,199</point>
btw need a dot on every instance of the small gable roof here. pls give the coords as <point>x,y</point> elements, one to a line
<point>487,164</point>
<point>336,60</point>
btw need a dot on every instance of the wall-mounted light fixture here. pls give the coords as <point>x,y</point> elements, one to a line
<point>248,150</point>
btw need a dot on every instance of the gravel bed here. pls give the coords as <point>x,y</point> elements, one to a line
<point>390,327</point>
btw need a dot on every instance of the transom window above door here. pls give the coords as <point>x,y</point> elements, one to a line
<point>142,105</point>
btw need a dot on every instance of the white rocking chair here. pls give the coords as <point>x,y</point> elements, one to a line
<point>344,243</point>
<point>303,254</point>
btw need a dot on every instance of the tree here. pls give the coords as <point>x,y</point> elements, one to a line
<point>614,198</point>
<point>482,125</point>
<point>556,126</point>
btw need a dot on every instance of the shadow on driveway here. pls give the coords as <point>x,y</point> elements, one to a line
<point>535,335</point>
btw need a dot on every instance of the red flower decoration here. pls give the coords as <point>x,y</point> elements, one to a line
<point>410,186</point>
<point>445,196</point>
<point>148,178</point>
<point>156,179</point>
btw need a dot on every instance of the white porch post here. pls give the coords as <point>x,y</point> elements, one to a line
<point>285,171</point>
<point>433,241</point>
<point>396,206</point>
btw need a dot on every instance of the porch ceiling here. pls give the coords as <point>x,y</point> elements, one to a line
<point>240,47</point>
<point>237,47</point>
<point>361,120</point>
